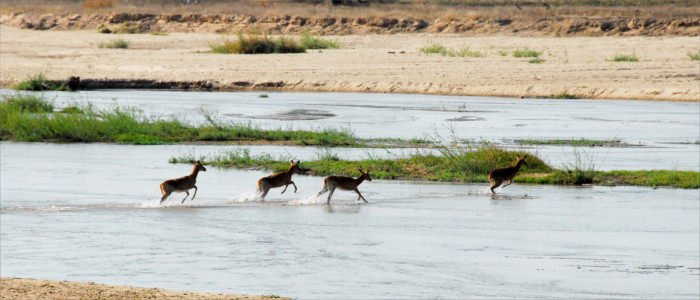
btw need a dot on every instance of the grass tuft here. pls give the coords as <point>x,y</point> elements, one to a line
<point>115,44</point>
<point>624,57</point>
<point>309,41</point>
<point>694,56</point>
<point>257,44</point>
<point>526,52</point>
<point>442,50</point>
<point>536,61</point>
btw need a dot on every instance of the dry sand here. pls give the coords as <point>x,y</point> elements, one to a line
<point>393,63</point>
<point>19,288</point>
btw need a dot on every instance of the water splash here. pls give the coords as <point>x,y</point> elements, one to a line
<point>248,196</point>
<point>309,199</point>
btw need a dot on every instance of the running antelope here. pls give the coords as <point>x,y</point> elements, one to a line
<point>344,183</point>
<point>182,184</point>
<point>279,179</point>
<point>499,175</point>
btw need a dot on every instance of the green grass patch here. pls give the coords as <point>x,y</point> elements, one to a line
<point>579,142</point>
<point>566,96</point>
<point>27,117</point>
<point>503,53</point>
<point>526,52</point>
<point>257,44</point>
<point>470,165</point>
<point>157,33</point>
<point>442,50</point>
<point>39,83</point>
<point>309,41</point>
<point>115,44</point>
<point>625,57</point>
<point>694,56</point>
<point>536,61</point>
<point>26,103</point>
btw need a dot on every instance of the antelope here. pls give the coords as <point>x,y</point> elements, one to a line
<point>279,179</point>
<point>182,184</point>
<point>344,183</point>
<point>499,175</point>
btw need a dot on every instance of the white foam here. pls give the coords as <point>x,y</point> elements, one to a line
<point>247,197</point>
<point>309,199</point>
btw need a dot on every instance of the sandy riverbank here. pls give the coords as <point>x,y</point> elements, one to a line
<point>577,66</point>
<point>23,288</point>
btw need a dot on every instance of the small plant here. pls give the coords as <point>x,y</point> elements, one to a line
<point>158,33</point>
<point>526,52</point>
<point>309,41</point>
<point>434,48</point>
<point>465,52</point>
<point>694,56</point>
<point>536,61</point>
<point>566,96</point>
<point>262,96</point>
<point>503,53</point>
<point>442,50</point>
<point>115,44</point>
<point>623,57</point>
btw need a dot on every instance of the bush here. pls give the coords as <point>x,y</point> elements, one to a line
<point>115,44</point>
<point>256,44</point>
<point>39,83</point>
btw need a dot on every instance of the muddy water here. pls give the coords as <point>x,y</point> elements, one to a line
<point>89,212</point>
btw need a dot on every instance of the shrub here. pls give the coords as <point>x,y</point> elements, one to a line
<point>536,61</point>
<point>39,83</point>
<point>694,56</point>
<point>256,44</point>
<point>115,44</point>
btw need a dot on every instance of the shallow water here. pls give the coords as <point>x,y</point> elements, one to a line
<point>662,135</point>
<point>90,212</point>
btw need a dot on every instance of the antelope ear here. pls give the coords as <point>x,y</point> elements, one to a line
<point>360,169</point>
<point>192,161</point>
<point>517,156</point>
<point>298,161</point>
